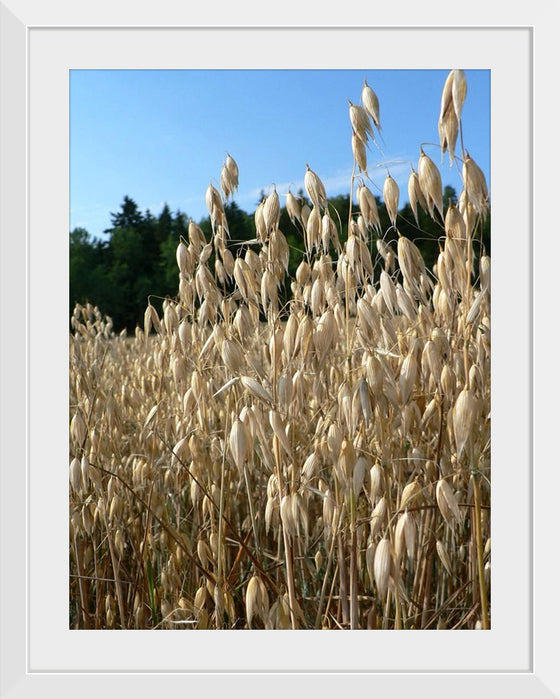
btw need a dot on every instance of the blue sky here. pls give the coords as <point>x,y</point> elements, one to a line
<point>161,136</point>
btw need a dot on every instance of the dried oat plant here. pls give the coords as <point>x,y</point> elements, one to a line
<point>241,463</point>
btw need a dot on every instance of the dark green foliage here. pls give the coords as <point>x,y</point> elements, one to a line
<point>138,262</point>
<point>86,262</point>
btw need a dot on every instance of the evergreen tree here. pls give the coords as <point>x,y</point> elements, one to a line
<point>164,225</point>
<point>128,217</point>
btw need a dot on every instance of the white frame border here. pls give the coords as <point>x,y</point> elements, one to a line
<point>17,681</point>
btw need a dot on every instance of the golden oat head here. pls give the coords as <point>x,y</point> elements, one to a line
<point>315,188</point>
<point>391,197</point>
<point>429,179</point>
<point>360,122</point>
<point>370,102</point>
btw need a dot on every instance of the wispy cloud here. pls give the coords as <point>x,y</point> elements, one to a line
<point>334,184</point>
<point>339,182</point>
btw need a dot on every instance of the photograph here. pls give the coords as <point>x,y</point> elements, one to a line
<point>280,349</point>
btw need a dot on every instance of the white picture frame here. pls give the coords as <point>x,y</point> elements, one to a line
<point>40,657</point>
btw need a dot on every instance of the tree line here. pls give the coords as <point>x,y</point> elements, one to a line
<point>136,260</point>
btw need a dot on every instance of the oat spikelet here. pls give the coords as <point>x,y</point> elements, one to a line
<point>368,207</point>
<point>233,170</point>
<point>76,475</point>
<point>256,600</point>
<point>315,188</point>
<point>214,204</point>
<point>446,96</point>
<point>361,124</point>
<point>313,229</point>
<point>229,177</point>
<point>475,185</point>
<point>415,195</point>
<point>443,556</point>
<point>329,233</point>
<point>411,263</point>
<point>410,494</point>
<point>455,223</point>
<point>468,211</point>
<point>391,198</point>
<point>458,92</point>
<point>287,515</point>
<point>430,184</point>
<point>452,100</point>
<point>260,225</point>
<point>196,236</point>
<point>359,152</point>
<point>389,292</point>
<point>447,503</point>
<point>359,475</point>
<point>347,460</point>
<point>305,211</point>
<point>464,414</point>
<point>310,467</point>
<point>407,378</point>
<point>151,319</point>
<point>182,257</point>
<point>279,429</point>
<point>448,133</point>
<point>485,273</point>
<point>293,207</point>
<point>378,517</point>
<point>371,104</point>
<point>410,535</point>
<point>271,210</point>
<point>399,538</point>
<point>254,387</point>
<point>382,566</point>
<point>239,443</point>
<point>405,537</point>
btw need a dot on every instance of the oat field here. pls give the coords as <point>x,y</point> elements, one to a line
<point>243,462</point>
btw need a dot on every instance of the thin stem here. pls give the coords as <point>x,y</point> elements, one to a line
<point>115,564</point>
<point>480,552</point>
<point>221,507</point>
<point>78,548</point>
<point>353,563</point>
<point>343,580</point>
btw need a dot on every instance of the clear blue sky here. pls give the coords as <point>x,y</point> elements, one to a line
<point>161,136</point>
